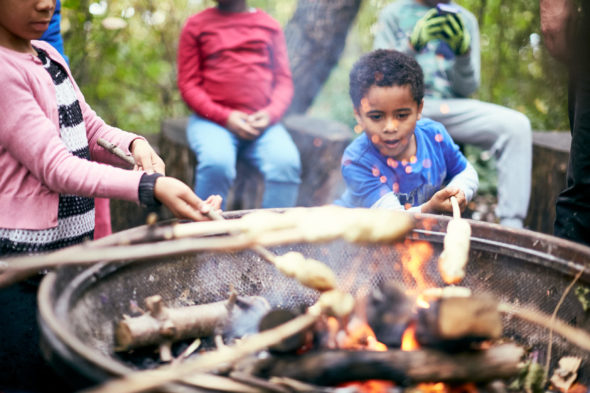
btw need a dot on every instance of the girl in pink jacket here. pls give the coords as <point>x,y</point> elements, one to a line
<point>51,164</point>
<point>51,167</point>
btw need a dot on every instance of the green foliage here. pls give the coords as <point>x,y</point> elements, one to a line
<point>128,74</point>
<point>517,71</point>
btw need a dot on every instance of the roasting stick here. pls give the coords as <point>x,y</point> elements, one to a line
<point>309,272</point>
<point>116,150</point>
<point>452,260</point>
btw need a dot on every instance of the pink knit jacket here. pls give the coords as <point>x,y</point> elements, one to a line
<point>35,166</point>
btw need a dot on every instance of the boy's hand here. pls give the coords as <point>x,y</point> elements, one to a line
<point>441,202</point>
<point>259,120</point>
<point>238,123</point>
<point>455,34</point>
<point>428,28</point>
<point>145,157</point>
<point>182,201</point>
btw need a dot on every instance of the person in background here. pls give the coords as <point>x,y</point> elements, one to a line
<point>444,39</point>
<point>233,73</point>
<point>565,25</point>
<point>52,168</point>
<point>400,161</point>
<point>102,210</point>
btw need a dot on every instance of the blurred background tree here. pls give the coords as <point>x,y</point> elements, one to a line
<point>123,55</point>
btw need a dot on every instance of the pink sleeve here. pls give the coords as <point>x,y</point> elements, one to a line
<point>32,139</point>
<point>283,83</point>
<point>189,80</point>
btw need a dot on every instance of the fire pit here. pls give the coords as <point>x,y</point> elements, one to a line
<point>78,307</point>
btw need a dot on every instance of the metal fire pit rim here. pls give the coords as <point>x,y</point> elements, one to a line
<point>62,331</point>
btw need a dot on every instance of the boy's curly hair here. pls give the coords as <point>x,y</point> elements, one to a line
<point>385,67</point>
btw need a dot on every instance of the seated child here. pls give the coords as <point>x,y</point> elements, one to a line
<point>400,161</point>
<point>233,73</point>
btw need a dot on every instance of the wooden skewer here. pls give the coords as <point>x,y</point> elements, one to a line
<point>456,208</point>
<point>325,282</point>
<point>111,147</point>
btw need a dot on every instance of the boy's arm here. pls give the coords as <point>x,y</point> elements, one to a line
<point>283,81</point>
<point>189,80</point>
<point>467,181</point>
<point>460,173</point>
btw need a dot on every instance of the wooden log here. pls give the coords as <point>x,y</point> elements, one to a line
<point>457,321</point>
<point>163,324</point>
<point>331,368</point>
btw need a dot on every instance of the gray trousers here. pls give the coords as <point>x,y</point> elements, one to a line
<point>504,132</point>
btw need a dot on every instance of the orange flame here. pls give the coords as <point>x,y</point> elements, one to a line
<point>359,335</point>
<point>409,342</point>
<point>415,253</point>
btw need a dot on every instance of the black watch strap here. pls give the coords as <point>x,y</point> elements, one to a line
<point>146,189</point>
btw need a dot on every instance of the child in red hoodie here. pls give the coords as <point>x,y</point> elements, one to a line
<point>233,73</point>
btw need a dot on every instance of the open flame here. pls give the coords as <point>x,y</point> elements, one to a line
<point>414,254</point>
<point>359,335</point>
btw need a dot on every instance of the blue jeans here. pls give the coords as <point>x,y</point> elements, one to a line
<point>273,153</point>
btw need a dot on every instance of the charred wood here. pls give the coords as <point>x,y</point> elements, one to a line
<point>330,368</point>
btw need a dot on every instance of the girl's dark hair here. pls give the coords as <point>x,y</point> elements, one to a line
<point>385,67</point>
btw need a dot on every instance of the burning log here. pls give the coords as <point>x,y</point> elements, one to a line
<point>161,325</point>
<point>330,368</point>
<point>454,318</point>
<point>389,312</point>
<point>455,321</point>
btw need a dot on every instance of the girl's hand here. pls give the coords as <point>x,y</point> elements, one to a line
<point>146,158</point>
<point>441,202</point>
<point>182,201</point>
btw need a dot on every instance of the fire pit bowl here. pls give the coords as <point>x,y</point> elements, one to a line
<point>78,307</point>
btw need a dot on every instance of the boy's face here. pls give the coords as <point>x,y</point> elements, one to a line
<point>388,115</point>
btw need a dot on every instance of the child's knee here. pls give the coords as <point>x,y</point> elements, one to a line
<point>217,168</point>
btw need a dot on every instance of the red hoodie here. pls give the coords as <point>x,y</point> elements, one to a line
<point>234,61</point>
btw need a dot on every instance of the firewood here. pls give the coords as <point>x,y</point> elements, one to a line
<point>142,381</point>
<point>163,324</point>
<point>330,368</point>
<point>389,311</point>
<point>457,319</point>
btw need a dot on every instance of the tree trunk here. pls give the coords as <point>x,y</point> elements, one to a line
<point>316,35</point>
